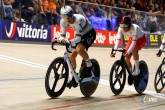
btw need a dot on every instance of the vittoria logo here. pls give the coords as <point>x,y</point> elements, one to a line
<point>26,31</point>
<point>12,30</point>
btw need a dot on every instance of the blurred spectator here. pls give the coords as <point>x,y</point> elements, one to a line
<point>138,5</point>
<point>8,10</point>
<point>50,11</point>
<point>28,10</point>
<point>107,2</point>
<point>119,3</point>
<point>113,3</point>
<point>78,8</point>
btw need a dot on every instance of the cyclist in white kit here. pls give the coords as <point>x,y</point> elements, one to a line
<point>85,35</point>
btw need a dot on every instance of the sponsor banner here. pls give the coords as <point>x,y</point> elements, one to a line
<point>55,32</point>
<point>106,38</point>
<point>127,38</point>
<point>153,40</point>
<point>103,38</point>
<point>21,31</point>
<point>0,30</point>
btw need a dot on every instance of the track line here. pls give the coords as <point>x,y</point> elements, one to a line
<point>104,82</point>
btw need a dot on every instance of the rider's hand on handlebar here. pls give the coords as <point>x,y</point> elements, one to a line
<point>113,55</point>
<point>159,53</point>
<point>126,55</point>
<point>65,41</point>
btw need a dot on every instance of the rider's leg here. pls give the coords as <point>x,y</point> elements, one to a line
<point>136,59</point>
<point>127,59</point>
<point>81,50</point>
<point>72,57</point>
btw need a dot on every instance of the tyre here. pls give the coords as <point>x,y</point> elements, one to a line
<point>117,77</point>
<point>141,80</point>
<point>87,88</point>
<point>159,78</point>
<point>56,77</point>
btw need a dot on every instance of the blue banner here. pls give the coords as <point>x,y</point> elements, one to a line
<point>21,31</point>
<point>0,30</point>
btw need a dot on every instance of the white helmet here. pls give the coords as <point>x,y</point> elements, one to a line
<point>66,12</point>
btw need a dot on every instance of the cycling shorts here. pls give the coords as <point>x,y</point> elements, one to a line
<point>88,38</point>
<point>139,43</point>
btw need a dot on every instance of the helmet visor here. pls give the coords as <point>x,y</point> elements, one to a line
<point>122,25</point>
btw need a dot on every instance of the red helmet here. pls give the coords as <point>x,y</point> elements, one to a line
<point>125,22</point>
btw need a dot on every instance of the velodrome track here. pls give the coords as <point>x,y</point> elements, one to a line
<point>22,72</point>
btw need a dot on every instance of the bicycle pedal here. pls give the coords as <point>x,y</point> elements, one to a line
<point>69,84</point>
<point>74,83</point>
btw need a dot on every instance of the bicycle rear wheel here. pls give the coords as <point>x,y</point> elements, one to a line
<point>117,77</point>
<point>88,87</point>
<point>56,77</point>
<point>159,81</point>
<point>141,80</point>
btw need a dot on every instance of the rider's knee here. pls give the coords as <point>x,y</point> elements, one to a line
<point>73,55</point>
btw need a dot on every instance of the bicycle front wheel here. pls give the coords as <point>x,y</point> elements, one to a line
<point>56,77</point>
<point>117,77</point>
<point>159,81</point>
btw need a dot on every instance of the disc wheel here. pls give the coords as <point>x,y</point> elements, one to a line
<point>141,80</point>
<point>87,88</point>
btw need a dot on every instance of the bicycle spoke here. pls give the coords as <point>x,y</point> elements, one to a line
<point>115,82</point>
<point>117,78</point>
<point>160,79</point>
<point>54,84</point>
<point>119,82</point>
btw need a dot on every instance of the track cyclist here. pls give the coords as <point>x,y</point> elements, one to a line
<point>161,48</point>
<point>136,41</point>
<point>85,35</point>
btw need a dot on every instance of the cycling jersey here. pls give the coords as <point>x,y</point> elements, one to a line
<point>134,34</point>
<point>81,26</point>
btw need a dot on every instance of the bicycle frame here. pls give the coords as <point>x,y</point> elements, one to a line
<point>122,59</point>
<point>71,68</point>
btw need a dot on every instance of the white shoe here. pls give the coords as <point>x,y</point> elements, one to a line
<point>136,72</point>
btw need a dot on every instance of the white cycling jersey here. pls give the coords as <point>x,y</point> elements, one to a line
<point>163,44</point>
<point>135,33</point>
<point>81,26</point>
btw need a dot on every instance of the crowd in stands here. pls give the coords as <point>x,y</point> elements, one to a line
<point>149,14</point>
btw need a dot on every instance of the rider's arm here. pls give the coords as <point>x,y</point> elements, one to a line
<point>118,37</point>
<point>63,29</point>
<point>163,44</point>
<point>132,46</point>
<point>134,39</point>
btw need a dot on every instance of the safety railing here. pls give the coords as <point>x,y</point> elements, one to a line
<point>102,17</point>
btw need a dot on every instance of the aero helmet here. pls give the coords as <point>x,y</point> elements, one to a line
<point>125,22</point>
<point>66,12</point>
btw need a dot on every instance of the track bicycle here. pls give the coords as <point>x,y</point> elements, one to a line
<point>57,75</point>
<point>159,81</point>
<point>117,76</point>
